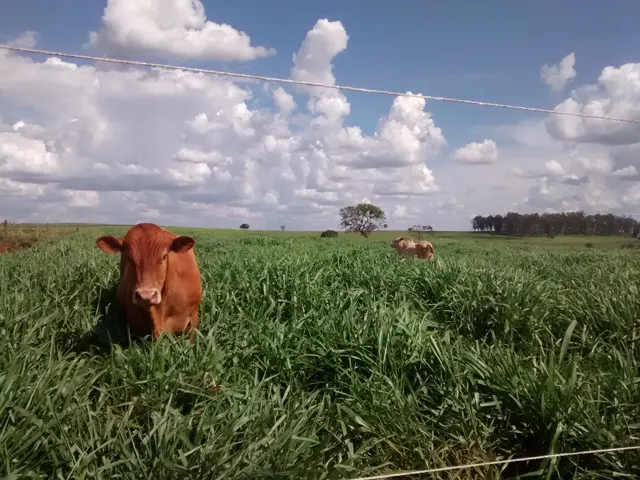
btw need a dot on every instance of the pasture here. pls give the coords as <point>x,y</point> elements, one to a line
<point>326,358</point>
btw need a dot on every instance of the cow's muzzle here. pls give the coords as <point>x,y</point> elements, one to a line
<point>146,297</point>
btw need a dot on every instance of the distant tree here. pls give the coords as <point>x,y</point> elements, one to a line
<point>488,223</point>
<point>498,223</point>
<point>244,226</point>
<point>363,218</point>
<point>385,226</point>
<point>548,230</point>
<point>420,230</point>
<point>477,223</point>
<point>282,228</point>
<point>329,234</point>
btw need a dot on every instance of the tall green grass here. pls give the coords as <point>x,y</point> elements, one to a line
<point>319,358</point>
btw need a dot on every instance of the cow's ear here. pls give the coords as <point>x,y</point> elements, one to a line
<point>182,244</point>
<point>109,244</point>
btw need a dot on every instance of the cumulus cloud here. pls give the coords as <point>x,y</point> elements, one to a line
<point>557,76</point>
<point>582,177</point>
<point>448,206</point>
<point>26,39</point>
<point>314,60</point>
<point>404,213</point>
<point>581,163</point>
<point>476,153</point>
<point>616,94</point>
<point>625,172</point>
<point>171,28</point>
<point>21,154</point>
<point>284,101</point>
<point>592,196</point>
<point>130,144</point>
<point>411,181</point>
<point>632,196</point>
<point>561,162</point>
<point>576,163</point>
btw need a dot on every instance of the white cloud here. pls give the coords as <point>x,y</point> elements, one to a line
<point>82,199</point>
<point>632,195</point>
<point>171,28</point>
<point>577,163</point>
<point>616,94</point>
<point>408,181</point>
<point>285,102</point>
<point>580,178</point>
<point>26,39</point>
<point>121,145</point>
<point>575,178</point>
<point>554,167</point>
<point>592,196</point>
<point>628,171</point>
<point>561,162</point>
<point>23,191</point>
<point>558,75</point>
<point>402,212</point>
<point>21,154</point>
<point>448,207</point>
<point>476,153</point>
<point>313,62</point>
<point>450,204</point>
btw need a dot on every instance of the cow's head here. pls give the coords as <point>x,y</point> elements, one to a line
<point>145,252</point>
<point>396,242</point>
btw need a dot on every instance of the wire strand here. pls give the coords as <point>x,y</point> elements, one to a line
<point>311,84</point>
<point>497,462</point>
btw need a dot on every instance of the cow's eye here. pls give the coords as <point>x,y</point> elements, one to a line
<point>164,257</point>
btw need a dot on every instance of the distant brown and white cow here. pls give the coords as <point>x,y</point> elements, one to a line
<point>421,249</point>
<point>160,287</point>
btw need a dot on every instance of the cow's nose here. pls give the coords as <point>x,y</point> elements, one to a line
<point>149,296</point>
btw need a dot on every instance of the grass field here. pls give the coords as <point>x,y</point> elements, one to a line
<point>327,358</point>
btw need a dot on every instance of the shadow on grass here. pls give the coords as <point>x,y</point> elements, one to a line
<point>111,329</point>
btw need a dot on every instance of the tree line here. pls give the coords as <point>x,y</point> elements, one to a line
<point>364,218</point>
<point>551,224</point>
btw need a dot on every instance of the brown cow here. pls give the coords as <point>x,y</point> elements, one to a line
<point>421,249</point>
<point>160,286</point>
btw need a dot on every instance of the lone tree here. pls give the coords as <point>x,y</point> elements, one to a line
<point>244,226</point>
<point>363,218</point>
<point>420,230</point>
<point>282,228</point>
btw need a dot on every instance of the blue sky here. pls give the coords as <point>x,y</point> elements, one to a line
<point>490,51</point>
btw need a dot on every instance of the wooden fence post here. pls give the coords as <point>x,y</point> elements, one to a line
<point>6,228</point>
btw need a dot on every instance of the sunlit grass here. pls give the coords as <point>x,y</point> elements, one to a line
<point>324,358</point>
